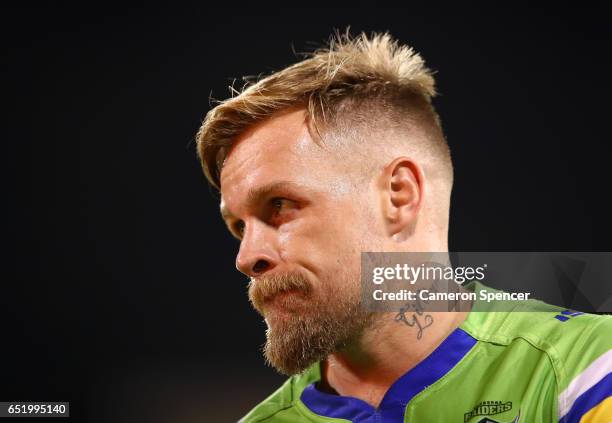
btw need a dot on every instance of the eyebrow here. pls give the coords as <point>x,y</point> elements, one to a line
<point>255,194</point>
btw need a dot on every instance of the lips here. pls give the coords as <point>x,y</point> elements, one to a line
<point>279,292</point>
<point>286,300</point>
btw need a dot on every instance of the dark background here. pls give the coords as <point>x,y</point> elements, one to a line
<point>119,292</point>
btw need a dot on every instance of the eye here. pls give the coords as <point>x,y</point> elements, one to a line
<point>278,203</point>
<point>239,227</point>
<point>281,205</point>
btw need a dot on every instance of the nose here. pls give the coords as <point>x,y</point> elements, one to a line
<point>257,253</point>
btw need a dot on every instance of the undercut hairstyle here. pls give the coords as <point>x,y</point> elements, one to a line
<point>352,84</point>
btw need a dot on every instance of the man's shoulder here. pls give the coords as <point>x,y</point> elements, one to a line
<point>575,342</point>
<point>280,405</point>
<point>572,339</point>
<point>577,346</point>
<point>546,326</point>
<point>559,331</point>
<point>279,400</point>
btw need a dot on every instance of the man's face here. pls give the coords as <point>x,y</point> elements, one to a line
<point>302,225</point>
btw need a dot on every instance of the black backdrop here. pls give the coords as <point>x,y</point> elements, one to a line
<point>119,292</point>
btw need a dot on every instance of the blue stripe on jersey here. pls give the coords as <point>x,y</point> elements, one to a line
<point>589,399</point>
<point>393,405</point>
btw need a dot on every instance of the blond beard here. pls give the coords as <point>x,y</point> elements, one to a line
<point>306,325</point>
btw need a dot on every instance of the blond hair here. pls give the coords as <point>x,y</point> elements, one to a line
<point>340,79</point>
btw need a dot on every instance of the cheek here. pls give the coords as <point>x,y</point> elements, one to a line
<point>323,245</point>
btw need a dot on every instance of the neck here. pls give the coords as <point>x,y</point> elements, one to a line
<point>386,351</point>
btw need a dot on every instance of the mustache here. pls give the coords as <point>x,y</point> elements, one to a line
<point>264,288</point>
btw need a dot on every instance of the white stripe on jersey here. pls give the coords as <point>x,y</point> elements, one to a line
<point>596,371</point>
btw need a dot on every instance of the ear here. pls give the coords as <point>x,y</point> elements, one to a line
<point>402,189</point>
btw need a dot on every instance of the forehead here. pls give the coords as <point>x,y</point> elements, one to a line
<point>280,148</point>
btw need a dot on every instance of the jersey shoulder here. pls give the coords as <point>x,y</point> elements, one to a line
<point>578,346</point>
<point>548,327</point>
<point>279,405</point>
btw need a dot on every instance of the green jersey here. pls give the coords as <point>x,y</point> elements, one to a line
<point>537,363</point>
